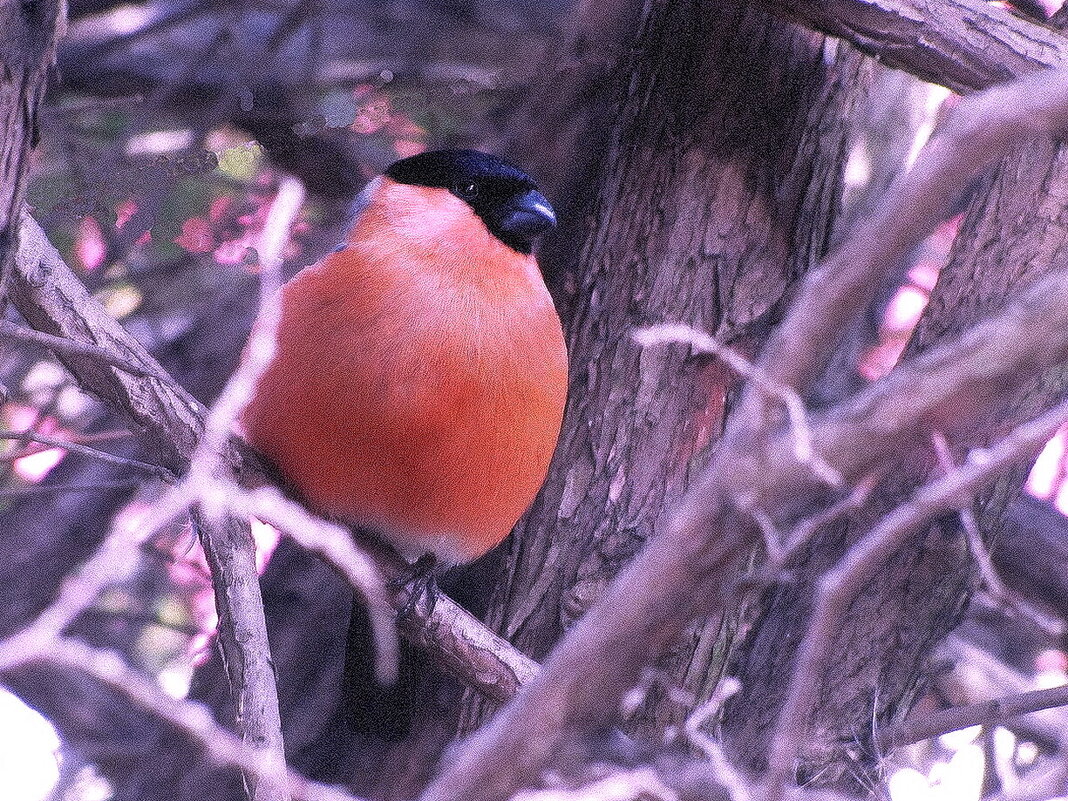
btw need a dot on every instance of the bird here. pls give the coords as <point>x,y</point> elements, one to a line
<point>420,372</point>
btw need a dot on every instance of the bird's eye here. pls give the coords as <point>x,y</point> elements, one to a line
<point>467,189</point>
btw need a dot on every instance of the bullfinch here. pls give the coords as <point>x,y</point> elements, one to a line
<point>419,381</point>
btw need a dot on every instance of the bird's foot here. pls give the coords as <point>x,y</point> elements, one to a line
<point>419,588</point>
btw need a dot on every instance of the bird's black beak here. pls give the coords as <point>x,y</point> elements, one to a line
<point>527,215</point>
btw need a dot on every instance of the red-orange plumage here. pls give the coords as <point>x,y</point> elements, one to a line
<point>419,382</point>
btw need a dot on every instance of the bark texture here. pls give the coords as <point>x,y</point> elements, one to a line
<point>719,180</point>
<point>27,52</point>
<point>720,186</point>
<point>961,44</point>
<point>1013,233</point>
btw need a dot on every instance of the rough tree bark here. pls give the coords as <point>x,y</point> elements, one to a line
<point>27,51</point>
<point>720,186</point>
<point>1014,232</point>
<point>938,44</point>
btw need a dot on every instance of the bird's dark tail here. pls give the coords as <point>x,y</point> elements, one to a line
<point>367,706</point>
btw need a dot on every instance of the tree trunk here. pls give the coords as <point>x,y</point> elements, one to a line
<point>27,51</point>
<point>721,183</point>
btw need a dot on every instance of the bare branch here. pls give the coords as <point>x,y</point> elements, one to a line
<point>47,489</point>
<point>242,632</point>
<point>795,407</point>
<point>51,299</point>
<point>461,643</point>
<point>738,787</point>
<point>985,713</point>
<point>978,676</point>
<point>191,718</point>
<point>1027,336</point>
<point>9,330</point>
<point>987,573</point>
<point>982,130</point>
<point>261,345</point>
<point>226,537</point>
<point>228,546</point>
<point>961,44</point>
<point>839,587</point>
<point>85,450</point>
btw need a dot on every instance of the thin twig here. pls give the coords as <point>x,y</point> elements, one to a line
<point>9,330</point>
<point>800,428</point>
<point>109,564</point>
<point>984,713</point>
<point>85,437</point>
<point>839,587</point>
<point>806,529</point>
<point>191,718</point>
<point>76,447</point>
<point>41,413</point>
<point>736,785</point>
<point>49,489</point>
<point>988,574</point>
<point>261,345</point>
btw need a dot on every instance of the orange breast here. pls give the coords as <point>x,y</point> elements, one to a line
<point>420,378</point>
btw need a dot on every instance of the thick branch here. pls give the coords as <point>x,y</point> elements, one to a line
<point>961,44</point>
<point>54,301</point>
<point>231,554</point>
<point>982,130</point>
<point>947,389</point>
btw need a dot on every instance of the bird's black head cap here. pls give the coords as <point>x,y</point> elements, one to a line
<point>502,195</point>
